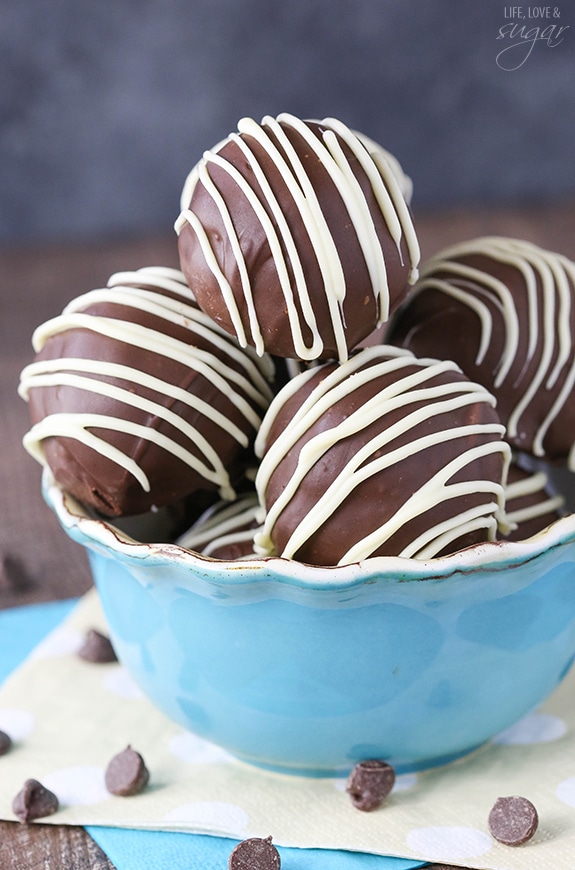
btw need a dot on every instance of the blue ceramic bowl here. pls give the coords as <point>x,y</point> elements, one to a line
<point>308,670</point>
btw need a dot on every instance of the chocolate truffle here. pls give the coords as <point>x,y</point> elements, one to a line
<point>504,311</point>
<point>382,455</point>
<point>226,530</point>
<point>296,236</point>
<point>138,399</point>
<point>530,504</point>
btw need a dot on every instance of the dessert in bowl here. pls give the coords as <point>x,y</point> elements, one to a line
<point>401,584</point>
<point>307,670</point>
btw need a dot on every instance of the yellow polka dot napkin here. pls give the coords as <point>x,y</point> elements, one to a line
<point>68,718</point>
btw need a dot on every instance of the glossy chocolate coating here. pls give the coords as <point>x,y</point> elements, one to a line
<point>226,530</point>
<point>530,503</point>
<point>382,467</point>
<point>182,412</point>
<point>504,311</point>
<point>245,206</point>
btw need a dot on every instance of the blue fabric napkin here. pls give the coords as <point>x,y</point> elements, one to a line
<point>140,850</point>
<point>21,629</point>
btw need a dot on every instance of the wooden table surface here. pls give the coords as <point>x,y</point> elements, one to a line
<point>37,561</point>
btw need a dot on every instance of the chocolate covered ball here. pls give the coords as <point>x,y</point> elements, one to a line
<point>530,503</point>
<point>226,530</point>
<point>384,455</point>
<point>296,236</point>
<point>138,399</point>
<point>504,311</point>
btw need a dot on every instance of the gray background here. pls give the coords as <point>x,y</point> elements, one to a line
<point>105,106</point>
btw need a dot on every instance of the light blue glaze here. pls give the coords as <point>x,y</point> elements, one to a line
<point>308,670</point>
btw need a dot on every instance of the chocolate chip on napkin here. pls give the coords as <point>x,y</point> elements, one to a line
<point>513,820</point>
<point>97,648</point>
<point>255,854</point>
<point>126,774</point>
<point>369,783</point>
<point>34,801</point>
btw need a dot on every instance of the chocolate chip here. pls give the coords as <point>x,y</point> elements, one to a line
<point>34,801</point>
<point>14,576</point>
<point>5,743</point>
<point>369,784</point>
<point>255,854</point>
<point>97,648</point>
<point>513,820</point>
<point>126,774</point>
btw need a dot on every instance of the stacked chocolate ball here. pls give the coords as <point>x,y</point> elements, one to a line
<point>138,399</point>
<point>301,378</point>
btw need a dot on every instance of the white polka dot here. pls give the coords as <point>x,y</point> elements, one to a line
<point>83,784</point>
<point>535,728</point>
<point>566,791</point>
<point>63,641</point>
<point>119,682</point>
<point>211,816</point>
<point>188,747</point>
<point>17,724</point>
<point>448,844</point>
<point>405,781</point>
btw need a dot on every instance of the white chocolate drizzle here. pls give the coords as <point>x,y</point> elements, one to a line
<point>422,400</point>
<point>389,186</point>
<point>549,288</point>
<point>530,485</point>
<point>223,525</point>
<point>246,389</point>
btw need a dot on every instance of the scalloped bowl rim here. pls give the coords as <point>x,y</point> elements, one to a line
<point>494,556</point>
